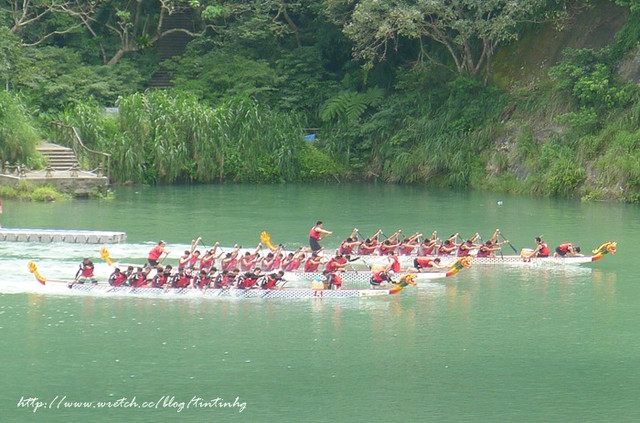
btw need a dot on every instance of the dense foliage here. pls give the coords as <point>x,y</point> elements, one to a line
<point>398,91</point>
<point>165,137</point>
<point>18,136</point>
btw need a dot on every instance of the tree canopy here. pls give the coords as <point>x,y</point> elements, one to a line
<point>468,30</point>
<point>409,91</point>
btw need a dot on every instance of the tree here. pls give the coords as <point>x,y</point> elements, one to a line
<point>255,18</point>
<point>10,56</point>
<point>69,16</point>
<point>137,24</point>
<point>468,30</point>
<point>633,5</point>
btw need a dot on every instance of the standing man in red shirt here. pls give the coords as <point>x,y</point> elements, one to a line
<point>316,235</point>
<point>156,252</point>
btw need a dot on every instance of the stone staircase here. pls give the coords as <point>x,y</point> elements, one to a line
<point>171,45</point>
<point>59,157</point>
<point>63,173</point>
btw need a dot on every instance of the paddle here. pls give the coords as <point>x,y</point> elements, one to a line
<point>78,274</point>
<point>351,266</point>
<point>364,261</point>
<point>510,245</point>
<point>199,241</point>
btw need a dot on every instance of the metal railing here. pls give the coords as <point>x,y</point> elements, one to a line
<point>91,160</point>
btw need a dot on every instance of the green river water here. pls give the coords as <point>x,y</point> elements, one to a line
<point>503,343</point>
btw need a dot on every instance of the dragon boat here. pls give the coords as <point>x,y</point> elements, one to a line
<point>66,287</point>
<point>362,279</point>
<point>362,262</point>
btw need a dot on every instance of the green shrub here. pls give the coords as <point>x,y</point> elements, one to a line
<point>18,135</point>
<point>314,165</point>
<point>47,194</point>
<point>590,78</point>
<point>7,191</point>
<point>25,190</point>
<point>583,122</point>
<point>564,177</point>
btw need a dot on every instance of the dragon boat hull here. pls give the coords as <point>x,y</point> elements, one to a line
<point>407,261</point>
<point>282,293</point>
<point>355,280</point>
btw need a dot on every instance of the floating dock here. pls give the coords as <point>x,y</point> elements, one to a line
<point>61,235</point>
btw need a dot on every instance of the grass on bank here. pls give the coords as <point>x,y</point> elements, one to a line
<point>28,192</point>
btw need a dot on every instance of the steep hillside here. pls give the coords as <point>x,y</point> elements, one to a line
<point>546,141</point>
<point>525,62</point>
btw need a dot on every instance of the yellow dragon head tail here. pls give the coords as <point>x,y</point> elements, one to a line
<point>265,238</point>
<point>404,281</point>
<point>606,248</point>
<point>458,265</point>
<point>34,269</point>
<point>104,253</point>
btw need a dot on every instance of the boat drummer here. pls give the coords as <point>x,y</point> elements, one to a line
<point>316,235</point>
<point>156,252</point>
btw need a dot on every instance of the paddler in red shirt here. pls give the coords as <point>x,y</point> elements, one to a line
<point>295,263</point>
<point>368,247</point>
<point>250,279</point>
<point>420,263</point>
<point>409,244</point>
<point>248,260</point>
<point>464,249</point>
<point>428,246</point>
<point>312,263</point>
<point>162,277</point>
<point>194,261</point>
<point>541,250</point>
<point>117,278</point>
<point>394,263</point>
<point>336,264</point>
<point>567,249</point>
<point>379,279</point>
<point>139,279</point>
<point>85,273</point>
<point>487,249</point>
<point>387,247</point>
<point>183,261</point>
<point>230,260</point>
<point>348,245</point>
<point>182,279</point>
<point>271,280</point>
<point>332,280</point>
<point>447,248</point>
<point>316,235</point>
